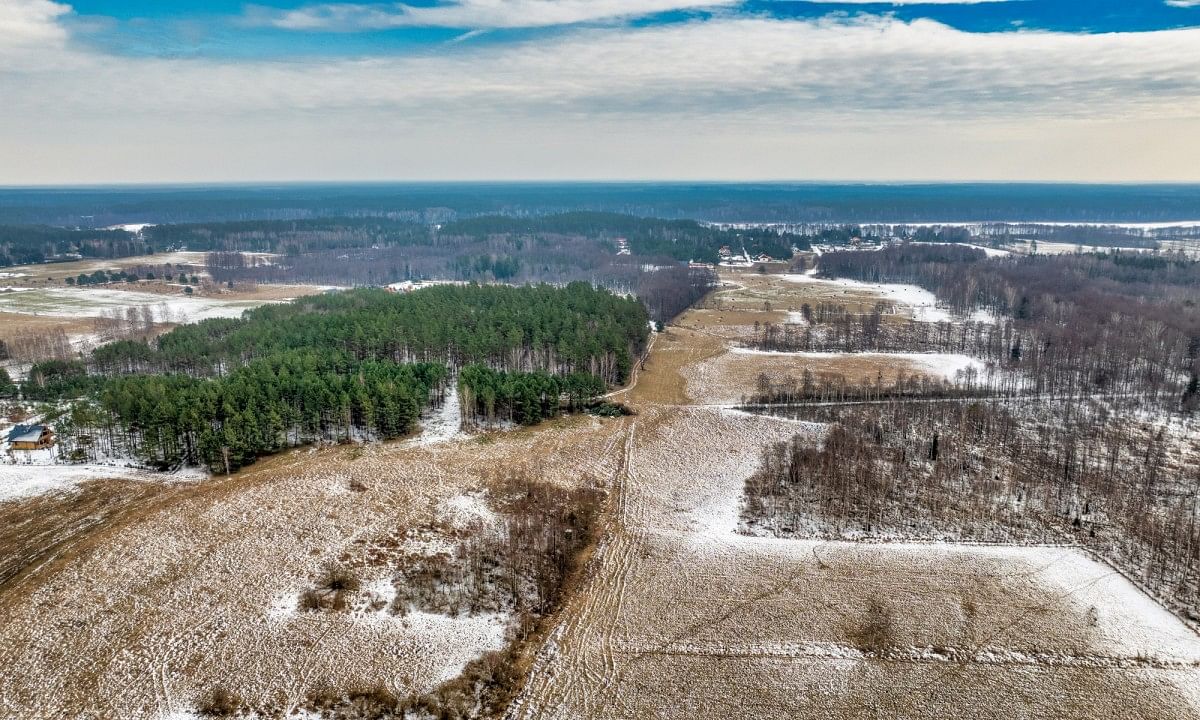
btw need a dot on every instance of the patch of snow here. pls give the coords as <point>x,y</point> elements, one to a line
<point>990,251</point>
<point>130,227</point>
<point>428,546</point>
<point>945,365</point>
<point>284,606</point>
<point>22,480</point>
<point>96,302</point>
<point>462,511</point>
<point>444,423</point>
<point>921,303</point>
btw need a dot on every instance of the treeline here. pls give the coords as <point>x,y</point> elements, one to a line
<point>1019,470</point>
<point>339,367</point>
<point>1097,236</point>
<point>280,401</point>
<point>490,396</point>
<point>290,237</point>
<point>1114,322</point>
<point>676,239</point>
<point>557,259</point>
<point>667,292</point>
<point>649,237</point>
<point>31,244</point>
<point>837,388</point>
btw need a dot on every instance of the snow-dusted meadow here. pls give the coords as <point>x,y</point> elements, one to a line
<point>97,302</point>
<point>685,617</point>
<point>203,590</point>
<point>680,616</point>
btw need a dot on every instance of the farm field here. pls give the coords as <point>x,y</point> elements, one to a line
<point>679,616</point>
<point>40,274</point>
<point>685,617</point>
<point>200,587</point>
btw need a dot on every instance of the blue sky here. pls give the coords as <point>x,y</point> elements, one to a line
<point>231,28</point>
<point>191,90</point>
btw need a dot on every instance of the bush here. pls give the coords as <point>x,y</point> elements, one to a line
<point>333,585</point>
<point>610,409</point>
<point>220,702</point>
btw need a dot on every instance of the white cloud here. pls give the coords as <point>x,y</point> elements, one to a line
<point>466,13</point>
<point>1183,3</point>
<point>910,2</point>
<point>724,97</point>
<point>26,24</point>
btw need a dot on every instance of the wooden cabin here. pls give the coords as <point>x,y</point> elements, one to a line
<point>30,437</point>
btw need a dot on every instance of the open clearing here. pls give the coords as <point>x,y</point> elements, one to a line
<point>679,617</point>
<point>57,272</point>
<point>142,615</point>
<point>685,618</point>
<point>95,302</point>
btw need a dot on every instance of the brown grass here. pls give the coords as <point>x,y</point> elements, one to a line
<point>12,324</point>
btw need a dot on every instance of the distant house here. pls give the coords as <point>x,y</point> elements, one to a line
<point>30,437</point>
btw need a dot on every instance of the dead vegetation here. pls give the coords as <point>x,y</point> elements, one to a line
<point>332,590</point>
<point>994,471</point>
<point>519,566</point>
<point>875,631</point>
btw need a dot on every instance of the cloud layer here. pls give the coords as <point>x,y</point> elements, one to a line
<point>467,14</point>
<point>770,86</point>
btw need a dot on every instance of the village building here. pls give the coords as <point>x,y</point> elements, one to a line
<point>30,437</point>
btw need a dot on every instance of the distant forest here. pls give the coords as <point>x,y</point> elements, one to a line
<point>359,364</point>
<point>716,202</point>
<point>32,244</point>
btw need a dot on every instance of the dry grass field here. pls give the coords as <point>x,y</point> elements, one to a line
<point>677,616</point>
<point>141,615</point>
<point>684,618</point>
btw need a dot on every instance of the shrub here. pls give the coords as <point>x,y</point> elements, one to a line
<point>220,702</point>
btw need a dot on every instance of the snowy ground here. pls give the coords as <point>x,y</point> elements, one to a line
<point>728,377</point>
<point>20,480</point>
<point>443,424</point>
<point>680,616</point>
<point>941,365</point>
<point>685,618</point>
<point>917,302</point>
<point>202,590</point>
<point>96,302</point>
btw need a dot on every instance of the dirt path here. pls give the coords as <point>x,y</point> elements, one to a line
<point>684,618</point>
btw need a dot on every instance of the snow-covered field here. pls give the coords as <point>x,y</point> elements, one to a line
<point>917,302</point>
<point>21,480</point>
<point>679,615</point>
<point>202,591</point>
<point>730,376</point>
<point>685,617</point>
<point>96,302</point>
<point>941,365</point>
